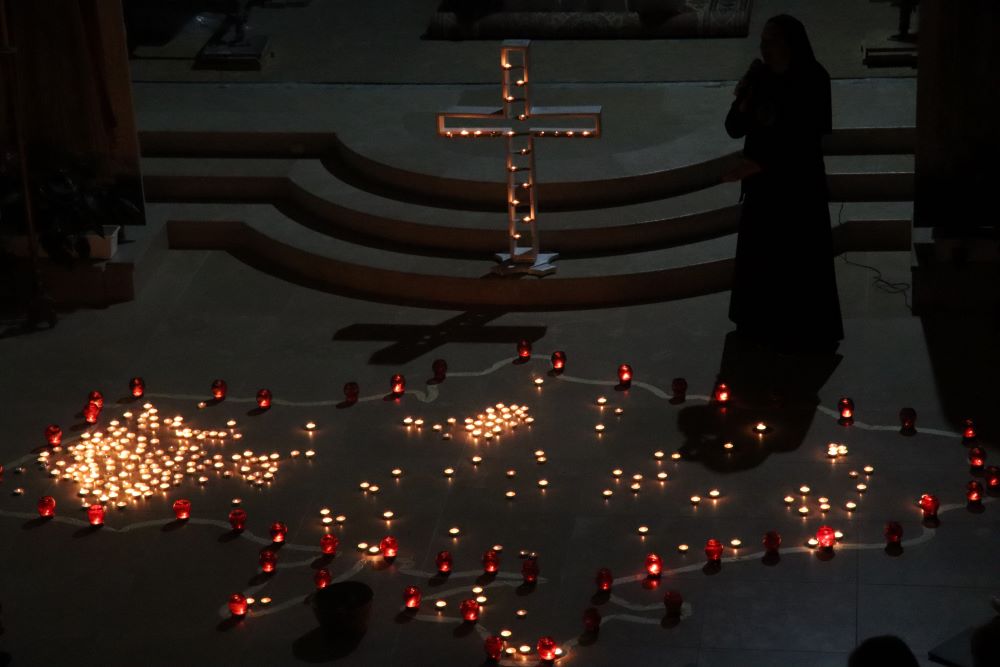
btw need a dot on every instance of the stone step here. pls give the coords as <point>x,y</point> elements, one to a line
<point>311,196</point>
<point>414,186</point>
<point>262,236</point>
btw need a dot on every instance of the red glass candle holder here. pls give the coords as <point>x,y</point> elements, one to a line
<point>908,421</point>
<point>558,361</point>
<point>654,565</point>
<point>469,609</point>
<point>91,413</point>
<point>968,431</point>
<point>604,580</point>
<point>328,544</point>
<point>772,541</point>
<point>397,385</point>
<point>46,507</point>
<point>679,389</point>
<point>826,536</point>
<point>219,389</point>
<point>95,515</point>
<point>278,532</point>
<point>351,391</point>
<point>389,547</point>
<point>929,505</point>
<point>238,605</point>
<point>412,597</point>
<point>893,533</point>
<point>182,509</point>
<point>720,393</point>
<point>443,561</point>
<point>137,387</point>
<point>53,435</point>
<point>974,492</point>
<point>673,601</point>
<point>846,408</point>
<point>523,349</point>
<point>97,398</point>
<point>993,478</point>
<point>530,570</point>
<point>625,375</point>
<point>264,398</point>
<point>322,578</point>
<point>494,647</point>
<point>238,519</point>
<point>268,560</point>
<point>546,648</point>
<point>977,459</point>
<point>713,550</point>
<point>491,561</point>
<point>440,370</point>
<point>591,620</point>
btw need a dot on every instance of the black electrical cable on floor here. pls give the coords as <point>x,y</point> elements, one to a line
<point>878,281</point>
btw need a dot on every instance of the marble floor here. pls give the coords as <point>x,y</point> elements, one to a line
<point>147,589</point>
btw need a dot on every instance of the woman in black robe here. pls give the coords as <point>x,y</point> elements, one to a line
<point>784,290</point>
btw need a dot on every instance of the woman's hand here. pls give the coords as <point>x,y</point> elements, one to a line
<point>743,93</point>
<point>744,169</point>
<point>744,87</point>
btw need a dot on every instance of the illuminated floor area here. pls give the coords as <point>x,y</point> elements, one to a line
<point>144,588</point>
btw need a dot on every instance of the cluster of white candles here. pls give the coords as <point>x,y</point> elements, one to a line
<point>494,421</point>
<point>824,502</point>
<point>142,454</point>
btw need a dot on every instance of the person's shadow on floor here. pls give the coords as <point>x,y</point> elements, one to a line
<point>778,390</point>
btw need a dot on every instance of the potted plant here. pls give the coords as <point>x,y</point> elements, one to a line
<point>76,216</point>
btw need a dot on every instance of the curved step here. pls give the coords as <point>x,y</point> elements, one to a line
<point>279,248</point>
<point>416,187</point>
<point>337,276</point>
<point>295,186</point>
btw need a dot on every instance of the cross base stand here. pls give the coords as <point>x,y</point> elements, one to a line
<point>542,266</point>
<point>248,54</point>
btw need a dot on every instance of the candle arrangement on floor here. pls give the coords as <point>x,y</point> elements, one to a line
<point>139,457</point>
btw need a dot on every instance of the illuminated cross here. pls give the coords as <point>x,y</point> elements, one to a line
<point>520,124</point>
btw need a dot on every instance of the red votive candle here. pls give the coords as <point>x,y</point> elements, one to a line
<point>264,398</point>
<point>328,544</point>
<point>182,509</point>
<point>238,519</point>
<point>95,514</point>
<point>219,389</point>
<point>322,578</point>
<point>137,387</point>
<point>412,597</point>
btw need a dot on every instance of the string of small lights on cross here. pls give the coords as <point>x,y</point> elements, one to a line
<point>140,456</point>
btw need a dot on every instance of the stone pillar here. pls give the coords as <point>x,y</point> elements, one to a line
<point>958,156</point>
<point>958,114</point>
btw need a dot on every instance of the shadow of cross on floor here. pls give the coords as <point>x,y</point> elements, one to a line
<point>415,340</point>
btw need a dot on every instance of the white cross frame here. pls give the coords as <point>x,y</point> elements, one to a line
<point>520,123</point>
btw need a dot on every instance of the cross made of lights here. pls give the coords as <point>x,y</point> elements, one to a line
<point>520,124</point>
